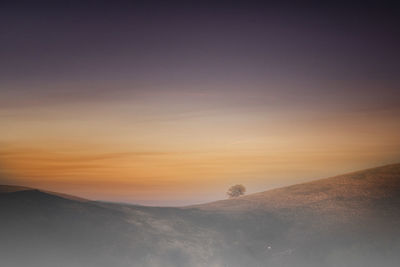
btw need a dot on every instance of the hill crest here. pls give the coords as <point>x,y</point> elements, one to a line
<point>370,184</point>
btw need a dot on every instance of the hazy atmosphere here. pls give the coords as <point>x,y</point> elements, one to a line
<point>199,134</point>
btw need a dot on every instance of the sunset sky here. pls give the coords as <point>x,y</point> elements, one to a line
<point>170,104</point>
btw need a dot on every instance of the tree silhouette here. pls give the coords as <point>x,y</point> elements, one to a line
<point>236,191</point>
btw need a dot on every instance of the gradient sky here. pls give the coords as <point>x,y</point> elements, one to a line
<point>169,103</point>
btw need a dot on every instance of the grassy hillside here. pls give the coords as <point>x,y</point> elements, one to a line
<point>334,193</point>
<point>348,220</point>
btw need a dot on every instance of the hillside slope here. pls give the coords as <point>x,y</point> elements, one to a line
<point>41,229</point>
<point>349,220</point>
<point>350,191</point>
<point>346,220</point>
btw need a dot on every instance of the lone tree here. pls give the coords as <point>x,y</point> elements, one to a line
<point>236,190</point>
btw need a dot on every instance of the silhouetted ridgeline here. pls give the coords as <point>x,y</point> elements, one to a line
<point>350,220</point>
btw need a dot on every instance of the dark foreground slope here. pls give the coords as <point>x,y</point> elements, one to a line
<point>349,220</point>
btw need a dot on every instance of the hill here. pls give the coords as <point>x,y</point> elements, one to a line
<point>353,197</point>
<point>330,194</point>
<point>349,220</point>
<point>13,188</point>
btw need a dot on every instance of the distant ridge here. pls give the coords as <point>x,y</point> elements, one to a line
<point>13,188</point>
<point>16,188</point>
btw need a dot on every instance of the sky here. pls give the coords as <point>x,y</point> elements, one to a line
<point>170,103</point>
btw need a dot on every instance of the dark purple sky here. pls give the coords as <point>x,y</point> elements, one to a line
<point>161,41</point>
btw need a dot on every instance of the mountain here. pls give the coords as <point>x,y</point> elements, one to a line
<point>348,220</point>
